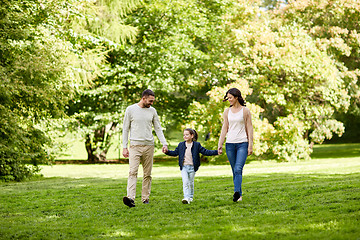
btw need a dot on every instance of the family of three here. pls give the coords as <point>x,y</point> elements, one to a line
<point>139,121</point>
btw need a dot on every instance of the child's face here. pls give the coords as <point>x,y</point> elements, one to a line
<point>188,136</point>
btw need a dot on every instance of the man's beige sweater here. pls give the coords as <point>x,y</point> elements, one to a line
<point>139,121</point>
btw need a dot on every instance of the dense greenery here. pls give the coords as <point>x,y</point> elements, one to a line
<point>47,55</point>
<point>174,53</point>
<point>293,87</point>
<point>281,201</point>
<point>34,82</point>
<point>334,26</point>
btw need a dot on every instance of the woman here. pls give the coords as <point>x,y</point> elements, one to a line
<point>238,129</point>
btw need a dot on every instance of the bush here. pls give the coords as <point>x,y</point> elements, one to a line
<point>21,148</point>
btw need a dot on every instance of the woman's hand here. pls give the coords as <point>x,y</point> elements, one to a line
<point>250,151</point>
<point>219,150</point>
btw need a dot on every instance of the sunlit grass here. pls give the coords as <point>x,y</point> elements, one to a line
<point>336,150</point>
<point>116,171</point>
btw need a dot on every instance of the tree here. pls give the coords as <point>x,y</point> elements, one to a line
<point>95,108</point>
<point>48,55</point>
<point>292,81</point>
<point>334,25</point>
<point>174,53</point>
<point>35,81</point>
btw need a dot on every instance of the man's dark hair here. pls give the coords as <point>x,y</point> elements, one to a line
<point>147,93</point>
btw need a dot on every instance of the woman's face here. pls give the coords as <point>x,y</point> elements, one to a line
<point>232,100</point>
<point>187,136</point>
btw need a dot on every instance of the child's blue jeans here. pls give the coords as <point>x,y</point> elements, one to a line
<point>237,154</point>
<point>188,175</point>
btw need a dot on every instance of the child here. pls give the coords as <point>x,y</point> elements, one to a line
<point>189,161</point>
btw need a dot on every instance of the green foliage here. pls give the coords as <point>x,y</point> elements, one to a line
<point>288,80</point>
<point>334,26</point>
<point>93,58</point>
<point>287,140</point>
<point>20,145</point>
<point>290,75</point>
<point>34,82</point>
<point>96,109</point>
<point>273,4</point>
<point>104,18</point>
<point>173,54</point>
<point>48,54</point>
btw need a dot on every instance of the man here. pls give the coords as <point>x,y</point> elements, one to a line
<point>138,120</point>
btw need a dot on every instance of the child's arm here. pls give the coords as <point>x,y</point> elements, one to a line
<point>207,152</point>
<point>173,153</point>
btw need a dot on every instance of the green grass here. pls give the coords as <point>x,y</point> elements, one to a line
<point>336,150</point>
<point>318,199</point>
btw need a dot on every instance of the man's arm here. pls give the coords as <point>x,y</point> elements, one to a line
<point>125,133</point>
<point>159,132</point>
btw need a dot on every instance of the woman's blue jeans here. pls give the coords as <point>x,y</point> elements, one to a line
<point>237,154</point>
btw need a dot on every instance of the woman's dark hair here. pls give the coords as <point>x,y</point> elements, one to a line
<point>237,94</point>
<point>192,132</point>
<point>147,93</point>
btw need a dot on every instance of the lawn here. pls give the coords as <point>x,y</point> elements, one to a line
<point>318,199</point>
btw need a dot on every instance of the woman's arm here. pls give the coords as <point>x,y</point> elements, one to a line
<point>249,130</point>
<point>224,130</point>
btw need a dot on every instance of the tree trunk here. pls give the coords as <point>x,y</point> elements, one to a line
<point>100,136</point>
<point>107,142</point>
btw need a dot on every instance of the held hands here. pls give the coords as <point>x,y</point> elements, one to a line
<point>165,149</point>
<point>219,150</point>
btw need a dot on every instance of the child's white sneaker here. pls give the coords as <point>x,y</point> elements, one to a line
<point>190,199</point>
<point>186,201</point>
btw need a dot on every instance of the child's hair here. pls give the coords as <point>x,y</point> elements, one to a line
<point>192,132</point>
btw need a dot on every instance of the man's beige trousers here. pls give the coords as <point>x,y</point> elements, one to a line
<point>140,154</point>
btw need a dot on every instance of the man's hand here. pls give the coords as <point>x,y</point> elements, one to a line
<point>125,152</point>
<point>165,149</point>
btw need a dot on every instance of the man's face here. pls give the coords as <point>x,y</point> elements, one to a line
<point>148,101</point>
